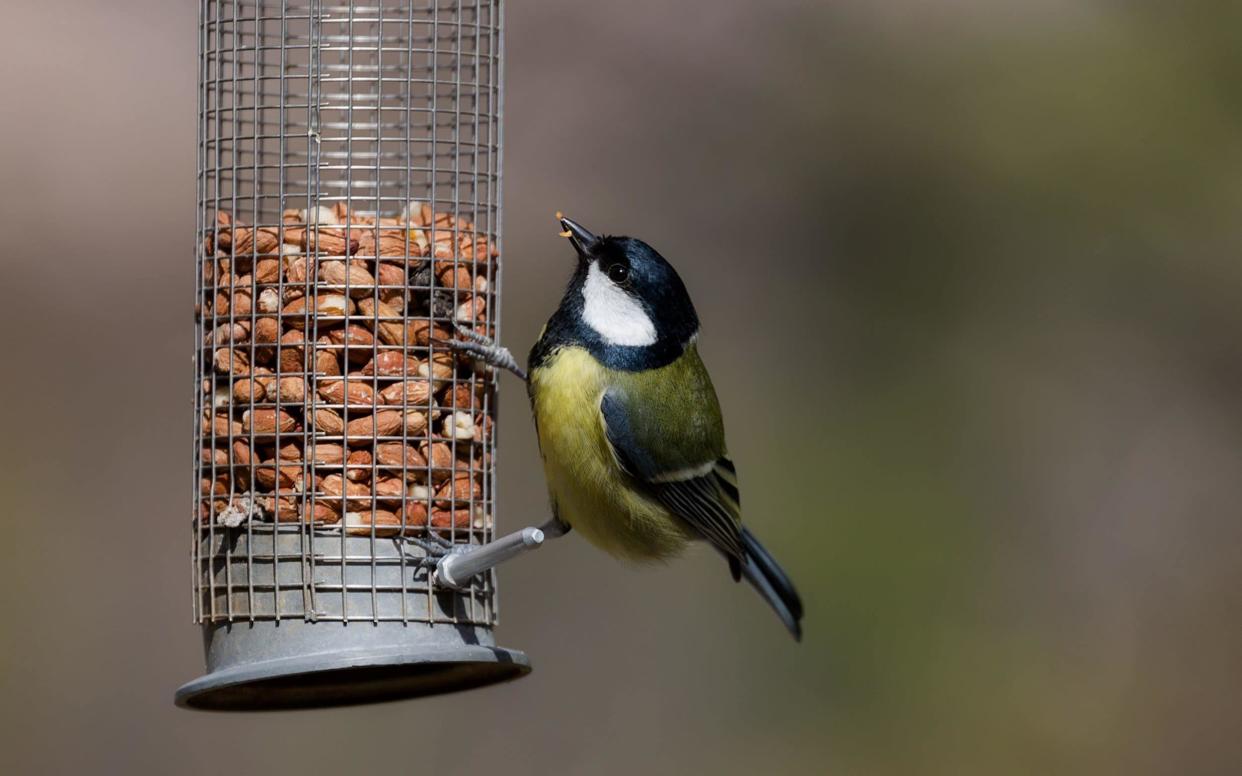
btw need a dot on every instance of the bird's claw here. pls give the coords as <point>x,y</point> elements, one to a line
<point>473,335</point>
<point>484,349</point>
<point>434,548</point>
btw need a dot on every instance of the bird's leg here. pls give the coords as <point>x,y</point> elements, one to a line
<point>485,350</point>
<point>555,528</point>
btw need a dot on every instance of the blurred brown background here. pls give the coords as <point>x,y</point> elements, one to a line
<point>970,284</point>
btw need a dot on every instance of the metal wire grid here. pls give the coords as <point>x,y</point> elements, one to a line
<point>370,108</point>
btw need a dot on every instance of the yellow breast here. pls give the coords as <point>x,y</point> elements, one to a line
<point>588,489</point>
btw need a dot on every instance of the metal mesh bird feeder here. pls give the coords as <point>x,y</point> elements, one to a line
<point>348,219</point>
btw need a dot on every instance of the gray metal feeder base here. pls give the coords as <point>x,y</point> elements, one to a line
<point>293,664</point>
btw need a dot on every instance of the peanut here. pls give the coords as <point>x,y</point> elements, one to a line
<point>351,283</point>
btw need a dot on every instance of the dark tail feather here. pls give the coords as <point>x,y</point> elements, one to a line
<point>775,574</point>
<point>773,584</point>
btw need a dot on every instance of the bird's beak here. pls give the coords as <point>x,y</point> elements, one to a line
<point>583,241</point>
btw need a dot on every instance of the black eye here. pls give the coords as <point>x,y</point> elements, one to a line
<point>617,273</point>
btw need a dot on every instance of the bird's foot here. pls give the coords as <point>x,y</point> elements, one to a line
<point>484,349</point>
<point>434,548</point>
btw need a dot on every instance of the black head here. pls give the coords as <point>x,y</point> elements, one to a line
<point>625,303</point>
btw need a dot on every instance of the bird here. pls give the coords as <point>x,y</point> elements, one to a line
<point>628,422</point>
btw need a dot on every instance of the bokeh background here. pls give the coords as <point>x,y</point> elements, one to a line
<point>970,281</point>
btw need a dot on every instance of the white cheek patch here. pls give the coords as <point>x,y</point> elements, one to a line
<point>616,317</point>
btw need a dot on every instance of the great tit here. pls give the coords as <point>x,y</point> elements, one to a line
<point>628,422</point>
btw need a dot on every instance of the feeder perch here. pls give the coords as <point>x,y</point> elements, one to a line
<point>349,219</point>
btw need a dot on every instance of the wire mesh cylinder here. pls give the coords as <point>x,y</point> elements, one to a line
<point>349,218</point>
